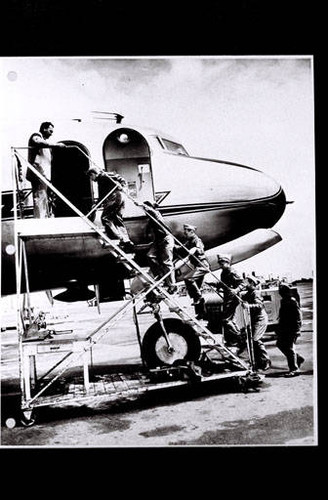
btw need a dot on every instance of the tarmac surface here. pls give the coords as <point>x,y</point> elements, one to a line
<point>281,412</point>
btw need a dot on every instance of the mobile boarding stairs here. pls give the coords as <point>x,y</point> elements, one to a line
<point>175,351</point>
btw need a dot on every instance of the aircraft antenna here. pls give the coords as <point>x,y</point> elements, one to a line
<point>117,117</point>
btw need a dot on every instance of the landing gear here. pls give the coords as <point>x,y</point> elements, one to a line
<point>178,342</point>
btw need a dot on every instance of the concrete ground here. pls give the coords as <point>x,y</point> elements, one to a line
<point>283,412</point>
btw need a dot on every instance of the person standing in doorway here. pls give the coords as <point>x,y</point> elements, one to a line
<point>40,157</point>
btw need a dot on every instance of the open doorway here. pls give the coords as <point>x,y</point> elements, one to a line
<point>126,152</point>
<point>68,173</point>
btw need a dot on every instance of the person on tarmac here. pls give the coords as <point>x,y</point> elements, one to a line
<point>113,206</point>
<point>233,284</point>
<point>259,321</point>
<point>40,157</point>
<point>199,268</point>
<point>288,331</point>
<point>160,254</point>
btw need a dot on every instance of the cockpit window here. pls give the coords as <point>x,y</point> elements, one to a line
<point>172,147</point>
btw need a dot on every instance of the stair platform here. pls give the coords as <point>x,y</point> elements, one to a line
<point>117,386</point>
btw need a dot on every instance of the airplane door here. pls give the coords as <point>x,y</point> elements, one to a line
<point>68,175</point>
<point>127,153</point>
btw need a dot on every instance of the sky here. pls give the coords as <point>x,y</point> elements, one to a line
<point>257,111</point>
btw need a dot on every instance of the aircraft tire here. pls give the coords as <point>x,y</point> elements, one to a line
<point>185,342</point>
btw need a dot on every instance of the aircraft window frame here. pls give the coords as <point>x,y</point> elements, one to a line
<point>167,145</point>
<point>160,141</point>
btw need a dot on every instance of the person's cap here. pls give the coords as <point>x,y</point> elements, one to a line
<point>188,226</point>
<point>223,257</point>
<point>252,279</point>
<point>284,287</point>
<point>93,170</point>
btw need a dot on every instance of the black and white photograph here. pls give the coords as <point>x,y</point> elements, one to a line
<point>158,266</point>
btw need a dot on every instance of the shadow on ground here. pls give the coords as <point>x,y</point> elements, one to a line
<point>297,425</point>
<point>11,402</point>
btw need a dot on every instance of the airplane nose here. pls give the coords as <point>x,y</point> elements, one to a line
<point>255,200</point>
<point>225,185</point>
<point>225,200</point>
<point>239,184</point>
<point>259,199</point>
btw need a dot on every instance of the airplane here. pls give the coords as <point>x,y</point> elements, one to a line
<point>233,206</point>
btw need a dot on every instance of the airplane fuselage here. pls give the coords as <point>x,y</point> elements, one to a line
<point>224,200</point>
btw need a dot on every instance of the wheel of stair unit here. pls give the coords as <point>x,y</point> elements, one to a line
<point>184,341</point>
<point>10,422</point>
